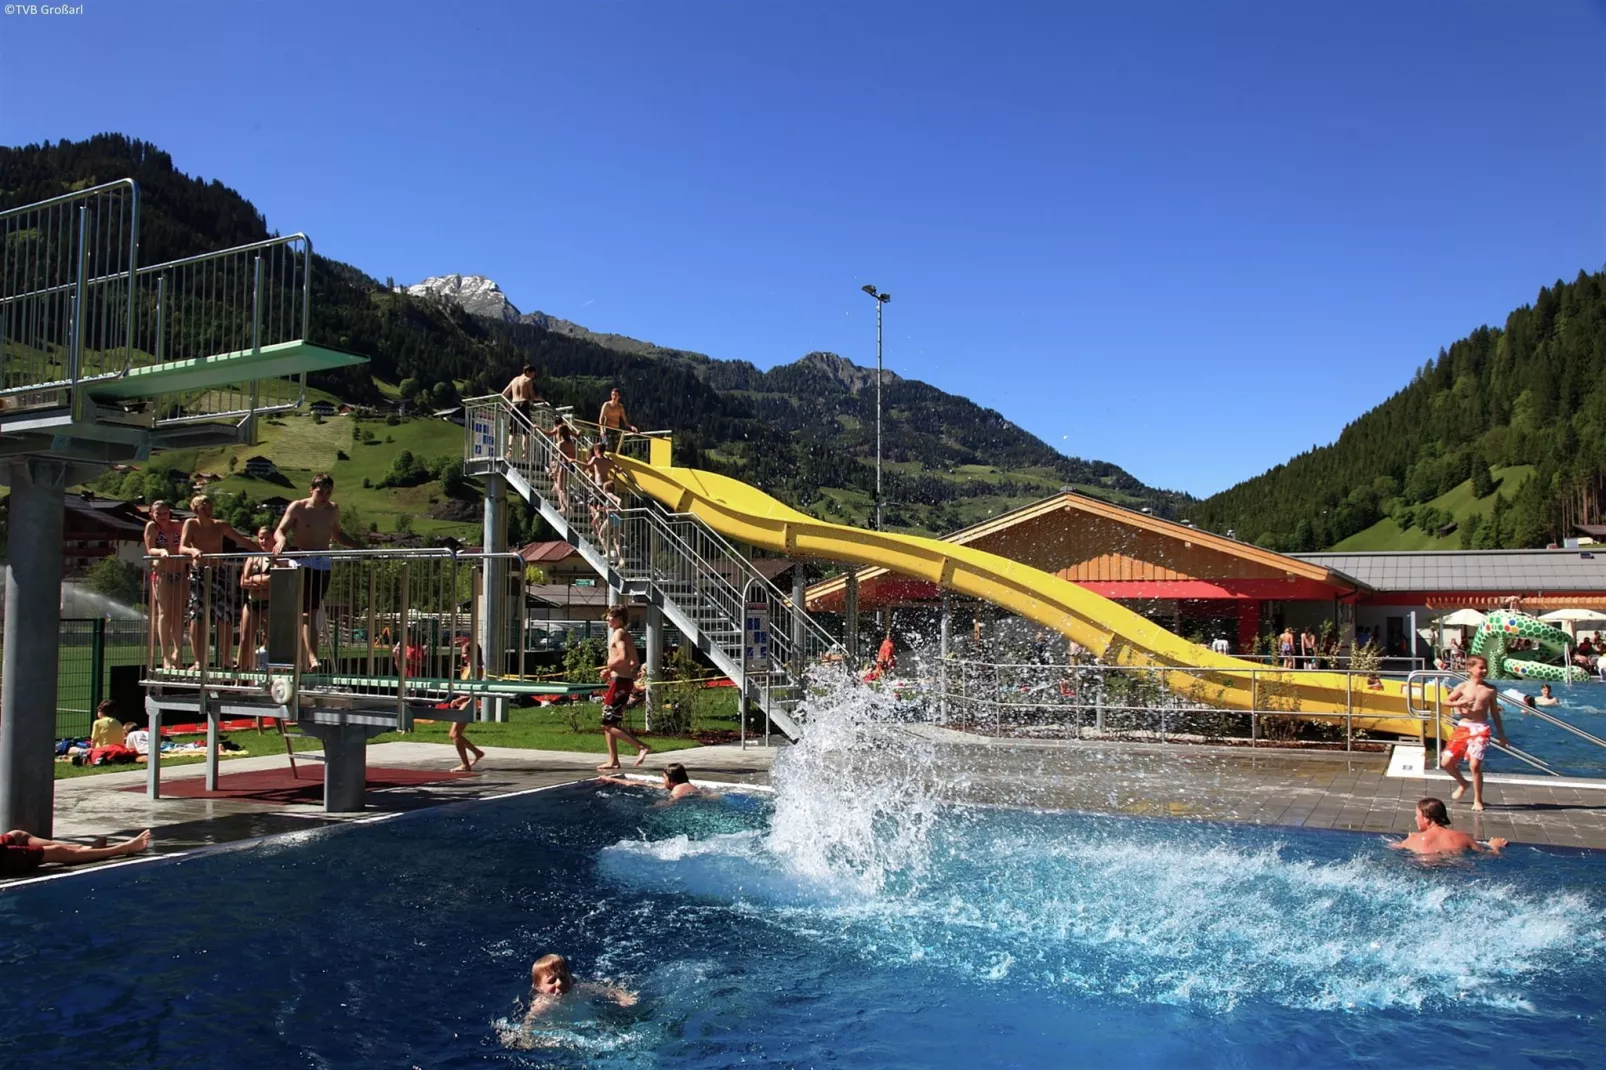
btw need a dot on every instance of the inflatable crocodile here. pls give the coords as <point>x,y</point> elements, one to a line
<point>1502,626</point>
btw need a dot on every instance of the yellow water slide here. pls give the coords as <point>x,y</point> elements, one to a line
<point>1116,634</point>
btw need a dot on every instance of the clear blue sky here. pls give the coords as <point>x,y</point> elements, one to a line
<point>1192,239</point>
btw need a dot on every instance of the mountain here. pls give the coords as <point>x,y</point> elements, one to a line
<point>803,431</point>
<point>1528,398</point>
<point>475,294</point>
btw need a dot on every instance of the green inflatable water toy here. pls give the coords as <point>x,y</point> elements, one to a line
<point>1502,626</point>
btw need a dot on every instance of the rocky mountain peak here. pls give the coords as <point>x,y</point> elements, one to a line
<point>846,373</point>
<point>476,294</point>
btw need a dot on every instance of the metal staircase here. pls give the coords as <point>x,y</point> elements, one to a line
<point>708,590</point>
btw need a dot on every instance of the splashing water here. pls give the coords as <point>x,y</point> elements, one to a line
<point>864,856</point>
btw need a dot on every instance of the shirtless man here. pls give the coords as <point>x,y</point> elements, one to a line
<point>1434,836</point>
<point>613,418</point>
<point>202,534</point>
<point>311,524</point>
<point>523,393</point>
<point>1477,704</point>
<point>620,672</point>
<point>605,518</point>
<point>1308,647</point>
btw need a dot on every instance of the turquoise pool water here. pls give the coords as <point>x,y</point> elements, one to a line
<point>945,937</point>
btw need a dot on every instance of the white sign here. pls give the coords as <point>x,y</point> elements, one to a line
<point>756,637</point>
<point>482,434</point>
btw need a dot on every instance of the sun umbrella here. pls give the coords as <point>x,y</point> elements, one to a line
<point>1575,615</point>
<point>1462,618</point>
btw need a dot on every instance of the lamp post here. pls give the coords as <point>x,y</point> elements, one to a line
<point>880,299</point>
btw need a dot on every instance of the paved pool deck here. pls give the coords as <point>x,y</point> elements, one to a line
<point>1234,784</point>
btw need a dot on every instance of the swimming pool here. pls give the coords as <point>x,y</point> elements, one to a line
<point>1581,705</point>
<point>819,928</point>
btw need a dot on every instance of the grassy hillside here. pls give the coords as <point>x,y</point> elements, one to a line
<point>301,446</point>
<point>1459,502</point>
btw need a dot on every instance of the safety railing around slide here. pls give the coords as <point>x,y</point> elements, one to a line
<point>1090,701</point>
<point>1426,695</point>
<point>644,545</point>
<point>395,623</point>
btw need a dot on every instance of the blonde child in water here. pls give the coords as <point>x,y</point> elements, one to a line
<point>551,980</point>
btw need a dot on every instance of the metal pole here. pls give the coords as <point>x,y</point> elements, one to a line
<point>77,350</point>
<point>495,532</point>
<point>655,660</point>
<point>942,655</point>
<point>32,651</point>
<point>850,623</point>
<point>97,665</point>
<point>878,414</point>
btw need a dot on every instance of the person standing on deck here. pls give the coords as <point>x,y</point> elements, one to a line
<point>620,672</point>
<point>202,534</point>
<point>162,534</point>
<point>613,418</point>
<point>1309,648</point>
<point>1479,708</point>
<point>312,523</point>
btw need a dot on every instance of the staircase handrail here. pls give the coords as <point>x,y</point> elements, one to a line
<point>584,490</point>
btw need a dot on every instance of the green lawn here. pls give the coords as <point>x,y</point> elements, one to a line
<point>256,746</point>
<point>1458,501</point>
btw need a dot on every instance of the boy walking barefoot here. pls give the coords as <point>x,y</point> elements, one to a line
<point>1478,706</point>
<point>620,672</point>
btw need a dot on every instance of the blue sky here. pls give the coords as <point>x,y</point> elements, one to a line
<point>1191,239</point>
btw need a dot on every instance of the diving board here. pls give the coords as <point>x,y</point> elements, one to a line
<point>223,369</point>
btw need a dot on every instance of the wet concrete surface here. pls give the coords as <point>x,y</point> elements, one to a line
<point>1266,787</point>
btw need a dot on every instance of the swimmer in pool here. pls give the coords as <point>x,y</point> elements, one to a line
<point>551,980</point>
<point>1434,836</point>
<point>676,782</point>
<point>1546,698</point>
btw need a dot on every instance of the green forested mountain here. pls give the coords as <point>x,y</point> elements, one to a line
<point>1531,393</point>
<point>804,432</point>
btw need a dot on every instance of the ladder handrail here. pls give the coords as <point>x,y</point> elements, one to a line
<point>650,541</point>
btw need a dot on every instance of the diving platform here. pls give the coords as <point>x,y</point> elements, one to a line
<point>222,369</point>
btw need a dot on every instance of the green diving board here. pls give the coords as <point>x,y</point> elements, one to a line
<point>224,369</point>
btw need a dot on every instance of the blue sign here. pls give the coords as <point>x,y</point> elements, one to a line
<point>756,638</point>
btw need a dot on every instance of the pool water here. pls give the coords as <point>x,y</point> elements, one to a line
<point>1581,705</point>
<point>822,927</point>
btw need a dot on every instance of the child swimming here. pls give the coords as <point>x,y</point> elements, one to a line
<point>551,980</point>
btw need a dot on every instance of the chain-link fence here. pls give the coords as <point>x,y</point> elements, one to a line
<point>91,652</point>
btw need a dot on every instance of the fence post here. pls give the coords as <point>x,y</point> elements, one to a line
<point>97,666</point>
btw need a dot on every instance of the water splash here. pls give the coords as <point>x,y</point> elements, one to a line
<point>864,855</point>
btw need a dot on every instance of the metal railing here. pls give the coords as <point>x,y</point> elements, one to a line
<point>67,270</point>
<point>398,624</point>
<point>233,301</point>
<point>695,572</point>
<point>1384,663</point>
<point>1421,703</point>
<point>1091,700</point>
<point>92,648</point>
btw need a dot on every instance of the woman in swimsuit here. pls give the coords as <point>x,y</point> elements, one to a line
<point>169,583</point>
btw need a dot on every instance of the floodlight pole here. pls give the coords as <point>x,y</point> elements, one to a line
<point>880,299</point>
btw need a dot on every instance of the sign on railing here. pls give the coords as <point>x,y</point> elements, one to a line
<point>756,637</point>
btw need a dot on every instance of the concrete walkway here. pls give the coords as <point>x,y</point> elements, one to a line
<point>99,806</point>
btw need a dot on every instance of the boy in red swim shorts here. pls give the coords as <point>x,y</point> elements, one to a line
<point>1479,708</point>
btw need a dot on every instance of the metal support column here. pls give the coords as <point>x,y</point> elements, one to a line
<point>799,581</point>
<point>32,638</point>
<point>850,619</point>
<point>943,629</point>
<point>491,640</point>
<point>655,661</point>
